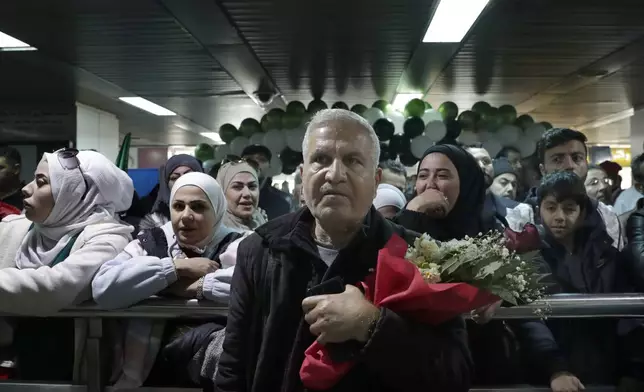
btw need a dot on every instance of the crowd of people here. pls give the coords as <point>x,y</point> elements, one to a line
<point>78,232</point>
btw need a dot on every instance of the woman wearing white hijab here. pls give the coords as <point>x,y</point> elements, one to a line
<point>192,256</point>
<point>70,211</point>
<point>49,255</point>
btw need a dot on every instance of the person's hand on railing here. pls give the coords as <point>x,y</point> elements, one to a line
<point>195,267</point>
<point>185,288</point>
<point>566,382</point>
<point>486,313</point>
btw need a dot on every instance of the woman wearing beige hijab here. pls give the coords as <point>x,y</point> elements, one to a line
<point>241,186</point>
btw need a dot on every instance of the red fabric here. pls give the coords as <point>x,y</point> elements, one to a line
<point>7,209</point>
<point>397,285</point>
<point>524,241</point>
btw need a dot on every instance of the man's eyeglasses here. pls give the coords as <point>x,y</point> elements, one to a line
<point>68,159</point>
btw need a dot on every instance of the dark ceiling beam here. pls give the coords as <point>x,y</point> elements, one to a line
<point>210,25</point>
<point>586,76</point>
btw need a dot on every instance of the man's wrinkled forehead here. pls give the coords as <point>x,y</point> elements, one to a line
<point>339,137</point>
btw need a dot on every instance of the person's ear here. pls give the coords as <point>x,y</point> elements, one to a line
<point>542,170</point>
<point>16,169</point>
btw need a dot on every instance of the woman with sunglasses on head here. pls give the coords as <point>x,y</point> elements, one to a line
<point>192,256</point>
<point>49,255</point>
<point>241,186</point>
<point>174,168</point>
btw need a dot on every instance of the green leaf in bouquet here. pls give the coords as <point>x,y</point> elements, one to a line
<point>489,270</point>
<point>504,294</point>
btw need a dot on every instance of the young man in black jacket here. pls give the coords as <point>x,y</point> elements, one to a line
<point>273,318</point>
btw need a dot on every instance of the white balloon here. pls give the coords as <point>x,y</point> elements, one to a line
<point>526,146</point>
<point>294,138</point>
<point>435,130</point>
<point>398,119</point>
<point>275,167</point>
<point>492,146</point>
<point>508,135</point>
<point>238,144</point>
<point>221,152</point>
<point>373,114</point>
<point>275,141</point>
<point>256,138</point>
<point>431,115</point>
<point>420,144</point>
<point>534,132</point>
<point>468,137</point>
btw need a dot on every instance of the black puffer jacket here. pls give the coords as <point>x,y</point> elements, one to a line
<point>266,335</point>
<point>635,247</point>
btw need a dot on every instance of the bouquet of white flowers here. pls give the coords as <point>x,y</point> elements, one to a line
<point>483,262</point>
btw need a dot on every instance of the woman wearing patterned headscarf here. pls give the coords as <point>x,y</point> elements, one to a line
<point>241,186</point>
<point>49,255</point>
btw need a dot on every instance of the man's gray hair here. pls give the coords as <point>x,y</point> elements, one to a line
<point>323,117</point>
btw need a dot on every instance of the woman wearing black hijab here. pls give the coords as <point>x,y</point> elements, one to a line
<point>450,193</point>
<point>174,168</point>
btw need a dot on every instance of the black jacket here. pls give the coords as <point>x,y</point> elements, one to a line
<point>275,202</point>
<point>267,335</point>
<point>590,349</point>
<point>635,248</point>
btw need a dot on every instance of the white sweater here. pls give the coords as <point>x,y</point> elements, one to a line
<point>46,290</point>
<point>134,276</point>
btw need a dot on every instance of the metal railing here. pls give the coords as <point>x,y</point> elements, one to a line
<point>558,306</point>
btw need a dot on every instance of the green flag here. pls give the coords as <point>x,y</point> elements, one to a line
<point>123,158</point>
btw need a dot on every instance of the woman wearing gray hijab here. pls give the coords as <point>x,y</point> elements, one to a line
<point>240,184</point>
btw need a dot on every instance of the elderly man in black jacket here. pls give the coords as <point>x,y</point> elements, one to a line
<point>282,298</point>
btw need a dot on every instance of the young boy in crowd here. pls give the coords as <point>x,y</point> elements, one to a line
<point>580,257</point>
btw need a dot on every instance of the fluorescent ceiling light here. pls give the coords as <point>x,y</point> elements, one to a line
<point>214,136</point>
<point>9,43</point>
<point>148,106</point>
<point>400,100</point>
<point>453,19</point>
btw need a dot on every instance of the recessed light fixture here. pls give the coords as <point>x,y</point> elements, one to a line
<point>400,100</point>
<point>148,106</point>
<point>453,19</point>
<point>9,44</point>
<point>214,136</point>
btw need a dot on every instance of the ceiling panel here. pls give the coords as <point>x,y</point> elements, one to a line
<point>522,47</point>
<point>353,51</point>
<point>617,132</point>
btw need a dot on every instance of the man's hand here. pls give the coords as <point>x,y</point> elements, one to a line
<point>566,382</point>
<point>337,318</point>
<point>184,288</point>
<point>195,268</point>
<point>484,314</point>
<point>431,202</point>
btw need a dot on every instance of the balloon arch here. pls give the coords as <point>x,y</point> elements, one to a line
<point>403,134</point>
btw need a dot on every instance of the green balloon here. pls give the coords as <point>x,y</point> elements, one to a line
<point>340,105</point>
<point>296,107</point>
<point>249,127</point>
<point>524,121</point>
<point>414,126</point>
<point>490,120</point>
<point>204,152</point>
<point>228,132</point>
<point>547,125</point>
<point>382,105</point>
<point>266,126</point>
<point>408,159</point>
<point>384,129</point>
<point>508,114</point>
<point>468,120</point>
<point>480,107</point>
<point>448,110</point>
<point>360,109</point>
<point>316,105</point>
<point>275,117</point>
<point>415,108</point>
<point>291,120</point>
